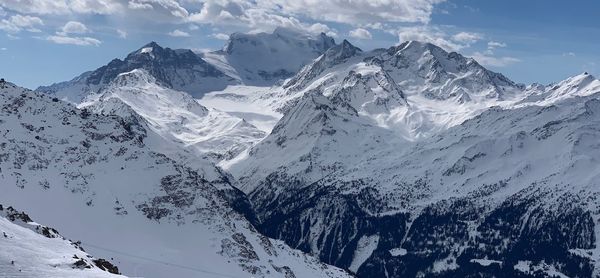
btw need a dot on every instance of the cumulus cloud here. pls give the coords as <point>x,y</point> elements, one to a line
<point>74,27</point>
<point>494,44</point>
<point>361,33</point>
<point>63,6</point>
<point>82,41</point>
<point>178,33</point>
<point>488,60</point>
<point>466,37</point>
<point>249,15</point>
<point>318,28</point>
<point>17,23</point>
<point>436,35</point>
<point>171,6</point>
<point>71,33</point>
<point>246,15</point>
<point>357,12</point>
<point>220,36</point>
<point>309,16</point>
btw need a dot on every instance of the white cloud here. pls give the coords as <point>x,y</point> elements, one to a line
<point>376,26</point>
<point>171,6</point>
<point>17,23</point>
<point>466,37</point>
<point>251,16</point>
<point>242,15</point>
<point>494,44</point>
<point>220,36</point>
<point>356,12</point>
<point>318,28</point>
<point>361,33</point>
<point>3,48</point>
<point>82,41</point>
<point>139,6</point>
<point>569,54</point>
<point>488,60</point>
<point>432,35</point>
<point>178,33</point>
<point>439,37</point>
<point>122,34</point>
<point>63,6</point>
<point>74,27</point>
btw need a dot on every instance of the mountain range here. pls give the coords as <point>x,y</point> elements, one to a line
<point>289,155</point>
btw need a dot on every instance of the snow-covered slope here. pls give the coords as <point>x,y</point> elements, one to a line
<point>153,81</point>
<point>415,89</point>
<point>176,116</point>
<point>511,191</point>
<point>440,89</point>
<point>154,216</point>
<point>28,249</point>
<point>580,85</point>
<point>266,58</point>
<point>179,69</point>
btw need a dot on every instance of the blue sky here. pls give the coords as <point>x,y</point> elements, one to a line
<point>46,41</point>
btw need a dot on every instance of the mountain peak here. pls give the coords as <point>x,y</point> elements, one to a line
<point>152,44</point>
<point>581,79</point>
<point>151,49</point>
<point>343,51</point>
<point>281,53</point>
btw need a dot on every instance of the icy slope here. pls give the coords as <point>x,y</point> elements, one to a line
<point>179,69</point>
<point>28,249</point>
<point>154,216</point>
<point>176,116</point>
<point>266,58</point>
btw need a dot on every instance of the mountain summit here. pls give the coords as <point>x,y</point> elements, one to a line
<point>180,69</point>
<point>264,59</point>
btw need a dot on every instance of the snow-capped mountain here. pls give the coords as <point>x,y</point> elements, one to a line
<point>98,179</point>
<point>279,54</point>
<point>263,59</point>
<point>580,85</point>
<point>409,161</point>
<point>29,249</point>
<point>439,89</point>
<point>176,116</point>
<point>415,89</point>
<point>179,69</point>
<point>160,84</point>
<point>508,192</point>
